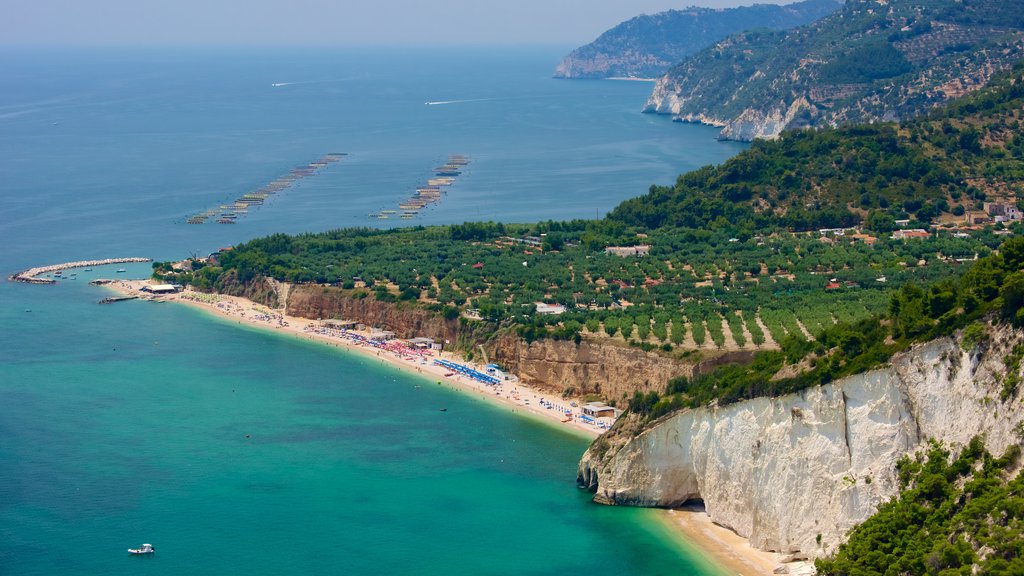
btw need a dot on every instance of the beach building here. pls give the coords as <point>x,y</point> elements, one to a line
<point>496,371</point>
<point>424,343</point>
<point>599,410</point>
<point>160,289</point>
<point>377,334</point>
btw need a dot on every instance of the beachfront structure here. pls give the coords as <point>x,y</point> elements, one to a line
<point>598,410</point>
<point>160,289</point>
<point>382,335</point>
<point>496,371</point>
<point>424,343</point>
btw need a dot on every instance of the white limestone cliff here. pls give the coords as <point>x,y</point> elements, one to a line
<point>668,97</point>
<point>782,471</point>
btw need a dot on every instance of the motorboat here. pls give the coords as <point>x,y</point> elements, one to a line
<point>145,549</point>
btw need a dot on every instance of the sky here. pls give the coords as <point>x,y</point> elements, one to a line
<point>322,22</point>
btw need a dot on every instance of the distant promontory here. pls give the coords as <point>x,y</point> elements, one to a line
<point>648,45</point>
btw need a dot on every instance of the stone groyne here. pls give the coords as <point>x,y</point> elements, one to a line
<point>30,276</point>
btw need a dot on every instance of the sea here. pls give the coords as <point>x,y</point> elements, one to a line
<point>235,450</point>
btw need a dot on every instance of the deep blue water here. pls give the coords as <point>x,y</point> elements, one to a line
<point>127,423</point>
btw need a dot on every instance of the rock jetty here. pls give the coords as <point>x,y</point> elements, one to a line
<point>30,276</point>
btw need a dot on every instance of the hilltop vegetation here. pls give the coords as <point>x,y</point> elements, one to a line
<point>869,61</point>
<point>954,516</point>
<point>935,168</point>
<point>991,290</point>
<point>648,45</point>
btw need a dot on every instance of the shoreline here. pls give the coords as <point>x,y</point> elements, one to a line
<point>729,552</point>
<point>518,397</point>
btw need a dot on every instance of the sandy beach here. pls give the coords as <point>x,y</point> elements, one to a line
<point>723,547</point>
<point>514,395</point>
<point>730,551</point>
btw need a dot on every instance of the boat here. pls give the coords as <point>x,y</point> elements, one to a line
<point>120,270</point>
<point>145,549</point>
<point>88,269</point>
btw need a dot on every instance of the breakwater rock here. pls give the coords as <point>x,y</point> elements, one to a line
<point>795,473</point>
<point>30,276</point>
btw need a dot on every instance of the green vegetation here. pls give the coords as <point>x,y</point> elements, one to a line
<point>648,45</point>
<point>959,516</point>
<point>861,63</point>
<point>926,170</point>
<point>915,315</point>
<point>689,275</point>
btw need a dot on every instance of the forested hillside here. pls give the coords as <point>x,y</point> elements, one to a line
<point>872,60</point>
<point>648,45</point>
<point>962,515</point>
<point>935,168</point>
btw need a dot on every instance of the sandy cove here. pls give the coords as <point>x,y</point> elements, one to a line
<point>723,547</point>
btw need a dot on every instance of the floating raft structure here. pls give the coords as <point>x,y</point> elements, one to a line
<point>430,192</point>
<point>229,213</point>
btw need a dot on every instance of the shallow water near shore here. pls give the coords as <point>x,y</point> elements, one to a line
<point>234,450</point>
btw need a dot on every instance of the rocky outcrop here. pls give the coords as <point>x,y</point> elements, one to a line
<point>405,319</point>
<point>261,290</point>
<point>590,367</point>
<point>795,473</point>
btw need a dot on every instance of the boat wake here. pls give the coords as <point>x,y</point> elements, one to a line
<point>280,84</point>
<point>443,102</point>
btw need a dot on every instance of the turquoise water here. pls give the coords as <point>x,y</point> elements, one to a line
<point>233,450</point>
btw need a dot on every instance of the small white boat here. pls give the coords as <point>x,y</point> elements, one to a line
<point>146,549</point>
<point>120,270</point>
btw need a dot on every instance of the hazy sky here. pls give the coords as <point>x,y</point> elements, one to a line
<point>322,22</point>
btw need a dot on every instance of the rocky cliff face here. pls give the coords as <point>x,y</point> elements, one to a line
<point>405,320</point>
<point>795,473</point>
<point>614,371</point>
<point>590,367</point>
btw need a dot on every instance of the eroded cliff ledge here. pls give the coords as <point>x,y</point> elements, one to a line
<point>795,473</point>
<point>591,366</point>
